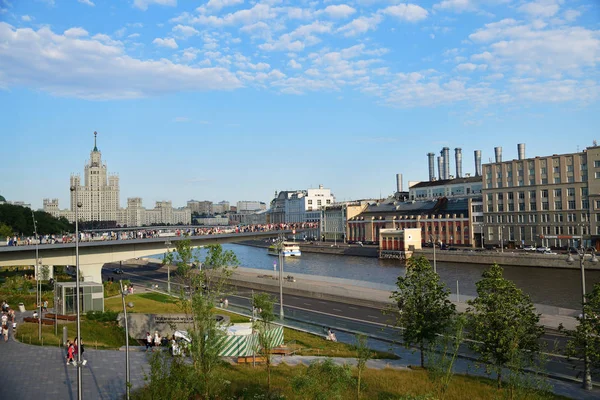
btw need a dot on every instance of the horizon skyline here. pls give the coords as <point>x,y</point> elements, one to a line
<point>242,98</point>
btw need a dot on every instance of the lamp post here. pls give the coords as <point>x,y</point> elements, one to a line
<point>78,205</point>
<point>280,245</point>
<point>168,244</point>
<point>38,285</point>
<point>123,294</point>
<point>582,252</point>
<point>434,260</point>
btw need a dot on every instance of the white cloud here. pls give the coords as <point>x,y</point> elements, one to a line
<point>189,54</point>
<point>75,32</point>
<point>143,4</point>
<point>294,64</point>
<point>218,4</point>
<point>26,18</point>
<point>297,40</point>
<point>406,12</point>
<point>91,69</point>
<point>134,35</point>
<point>541,8</point>
<point>166,42</point>
<point>360,25</point>
<point>485,56</point>
<point>470,67</point>
<point>339,11</point>
<point>181,119</point>
<point>454,5</point>
<point>259,12</point>
<point>87,2</point>
<point>572,15</point>
<point>185,31</point>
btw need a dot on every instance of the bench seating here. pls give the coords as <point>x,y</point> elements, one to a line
<point>62,317</point>
<point>45,321</point>
<point>250,359</point>
<point>281,351</point>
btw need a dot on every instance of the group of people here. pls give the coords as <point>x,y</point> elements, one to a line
<point>153,341</point>
<point>153,233</point>
<point>72,352</point>
<point>8,317</point>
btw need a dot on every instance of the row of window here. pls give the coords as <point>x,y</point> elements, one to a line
<point>545,206</point>
<point>533,218</point>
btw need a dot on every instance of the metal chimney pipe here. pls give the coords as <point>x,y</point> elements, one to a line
<point>477,154</point>
<point>440,167</point>
<point>521,151</point>
<point>498,152</point>
<point>446,151</point>
<point>398,183</point>
<point>430,159</point>
<point>458,158</point>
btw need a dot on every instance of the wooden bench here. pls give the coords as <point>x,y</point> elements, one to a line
<point>281,351</point>
<point>62,317</point>
<point>45,321</point>
<point>250,360</point>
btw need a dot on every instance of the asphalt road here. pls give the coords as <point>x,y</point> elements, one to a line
<point>316,314</point>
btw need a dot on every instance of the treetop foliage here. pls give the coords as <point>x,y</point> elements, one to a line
<point>19,220</point>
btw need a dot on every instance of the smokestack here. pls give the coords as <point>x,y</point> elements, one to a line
<point>398,183</point>
<point>521,151</point>
<point>498,152</point>
<point>430,159</point>
<point>440,167</point>
<point>446,151</point>
<point>458,158</point>
<point>477,162</point>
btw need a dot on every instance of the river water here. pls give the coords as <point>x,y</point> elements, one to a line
<point>549,286</point>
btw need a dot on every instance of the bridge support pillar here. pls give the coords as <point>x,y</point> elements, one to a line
<point>91,272</point>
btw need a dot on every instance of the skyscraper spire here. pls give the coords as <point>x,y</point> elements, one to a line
<point>95,147</point>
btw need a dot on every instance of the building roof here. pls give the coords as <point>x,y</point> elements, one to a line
<point>442,205</point>
<point>442,182</point>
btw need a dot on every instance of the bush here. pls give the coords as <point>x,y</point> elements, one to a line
<point>17,284</point>
<point>106,316</point>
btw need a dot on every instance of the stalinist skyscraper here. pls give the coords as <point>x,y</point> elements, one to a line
<point>99,193</point>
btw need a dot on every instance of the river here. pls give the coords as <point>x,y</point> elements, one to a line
<point>554,287</point>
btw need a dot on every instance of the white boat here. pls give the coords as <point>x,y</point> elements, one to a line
<point>290,249</point>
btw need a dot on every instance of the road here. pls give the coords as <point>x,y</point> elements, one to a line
<point>316,314</point>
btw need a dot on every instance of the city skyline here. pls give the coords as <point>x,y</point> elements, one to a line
<point>233,100</point>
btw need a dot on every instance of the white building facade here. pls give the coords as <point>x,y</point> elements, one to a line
<point>99,198</point>
<point>300,205</point>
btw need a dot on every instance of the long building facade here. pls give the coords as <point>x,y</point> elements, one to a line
<point>551,200</point>
<point>99,199</point>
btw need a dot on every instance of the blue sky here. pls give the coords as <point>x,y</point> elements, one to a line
<point>235,99</point>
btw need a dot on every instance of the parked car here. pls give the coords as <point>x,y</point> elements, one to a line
<point>549,252</point>
<point>529,248</point>
<point>542,249</point>
<point>118,271</point>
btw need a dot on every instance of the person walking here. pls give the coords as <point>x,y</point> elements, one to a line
<point>70,352</point>
<point>5,332</point>
<point>156,339</point>
<point>148,341</point>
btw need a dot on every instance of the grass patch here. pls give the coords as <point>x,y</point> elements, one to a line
<point>145,303</point>
<point>101,335</point>
<point>29,299</point>
<point>309,344</point>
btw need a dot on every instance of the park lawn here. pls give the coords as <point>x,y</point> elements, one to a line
<point>101,335</point>
<point>146,303</point>
<point>308,344</point>
<point>29,299</point>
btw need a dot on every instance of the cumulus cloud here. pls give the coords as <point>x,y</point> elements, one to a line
<point>185,31</point>
<point>339,11</point>
<point>75,32</point>
<point>78,66</point>
<point>259,12</point>
<point>218,4</point>
<point>541,8</point>
<point>26,18</point>
<point>87,2</point>
<point>294,64</point>
<point>406,12</point>
<point>143,4</point>
<point>166,42</point>
<point>470,67</point>
<point>361,25</point>
<point>298,39</point>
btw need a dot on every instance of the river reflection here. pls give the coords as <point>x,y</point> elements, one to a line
<point>555,287</point>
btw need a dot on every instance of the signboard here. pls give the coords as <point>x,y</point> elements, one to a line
<point>559,237</point>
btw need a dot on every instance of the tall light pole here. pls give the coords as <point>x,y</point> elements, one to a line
<point>434,260</point>
<point>581,252</point>
<point>123,294</point>
<point>281,240</point>
<point>77,206</point>
<point>168,244</point>
<point>38,284</point>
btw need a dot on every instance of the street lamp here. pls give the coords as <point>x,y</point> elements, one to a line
<point>78,205</point>
<point>123,294</point>
<point>434,260</point>
<point>168,244</point>
<point>582,252</point>
<point>280,246</point>
<point>38,284</point>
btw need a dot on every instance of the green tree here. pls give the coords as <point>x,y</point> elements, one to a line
<point>20,220</point>
<point>263,303</point>
<point>363,354</point>
<point>503,324</point>
<point>5,231</point>
<point>585,339</point>
<point>323,381</point>
<point>202,290</point>
<point>424,309</point>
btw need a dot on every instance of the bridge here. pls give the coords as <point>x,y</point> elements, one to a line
<point>93,255</point>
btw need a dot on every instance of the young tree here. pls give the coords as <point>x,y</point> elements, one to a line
<point>5,231</point>
<point>323,381</point>
<point>424,309</point>
<point>585,339</point>
<point>363,354</point>
<point>503,324</point>
<point>263,303</point>
<point>205,287</point>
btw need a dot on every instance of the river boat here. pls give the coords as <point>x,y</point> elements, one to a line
<point>290,249</point>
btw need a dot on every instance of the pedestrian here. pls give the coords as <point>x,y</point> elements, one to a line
<point>5,332</point>
<point>70,352</point>
<point>156,339</point>
<point>221,303</point>
<point>45,307</point>
<point>226,303</point>
<point>148,341</point>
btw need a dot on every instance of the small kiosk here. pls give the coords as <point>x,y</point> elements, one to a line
<point>399,243</point>
<point>91,297</point>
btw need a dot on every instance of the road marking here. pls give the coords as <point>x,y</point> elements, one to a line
<point>336,309</point>
<point>354,308</point>
<point>307,304</point>
<point>373,316</point>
